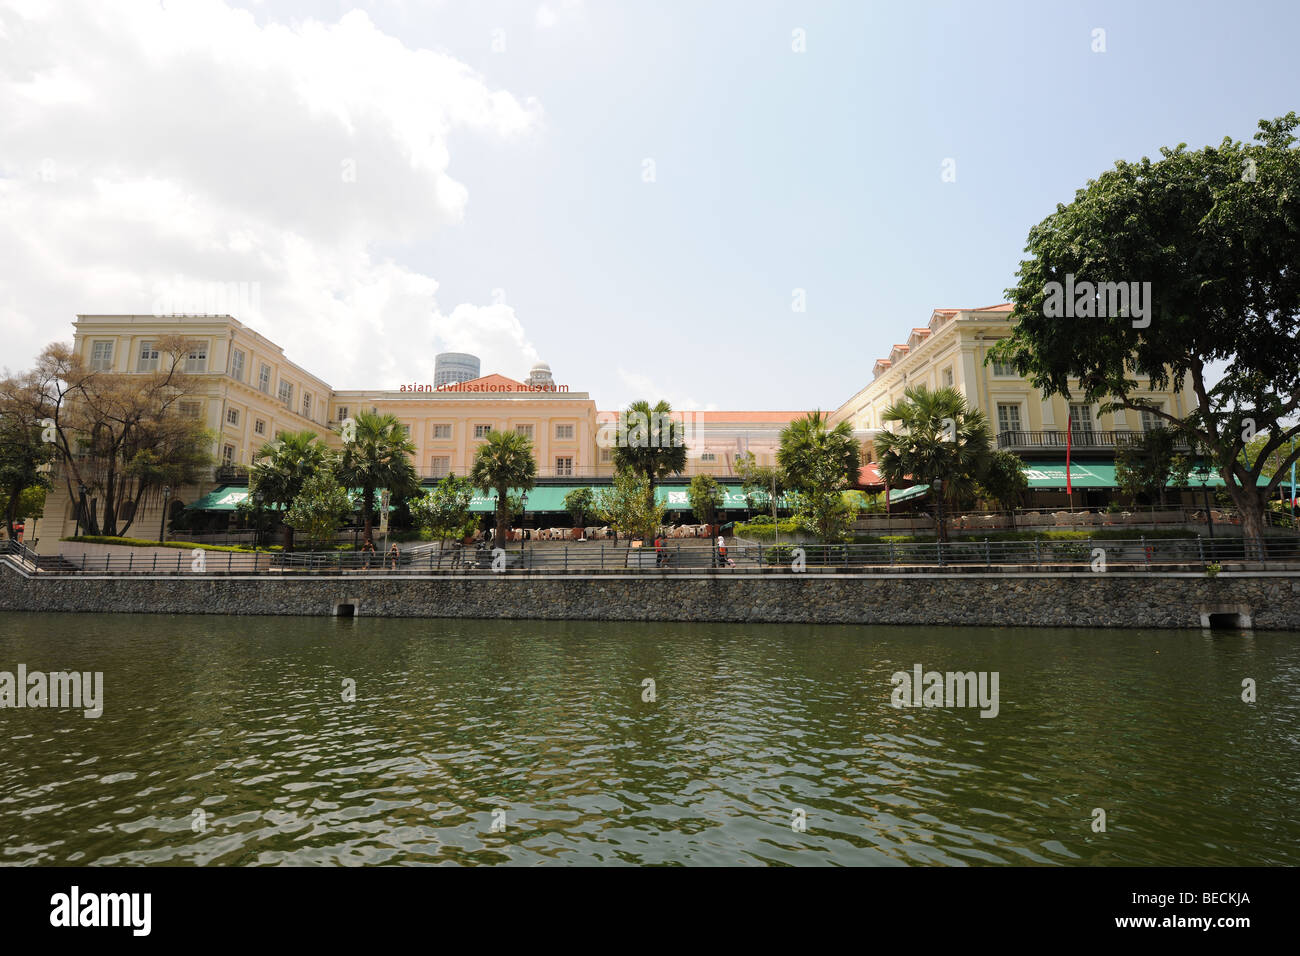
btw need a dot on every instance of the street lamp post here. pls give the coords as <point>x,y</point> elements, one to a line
<point>162,524</point>
<point>937,485</point>
<point>1203,473</point>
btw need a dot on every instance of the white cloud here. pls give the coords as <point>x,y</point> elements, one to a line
<point>549,12</point>
<point>139,144</point>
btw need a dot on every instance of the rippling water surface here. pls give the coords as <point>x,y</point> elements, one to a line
<point>244,719</point>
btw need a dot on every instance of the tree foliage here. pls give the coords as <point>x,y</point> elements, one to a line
<point>120,436</point>
<point>939,439</point>
<point>377,456</point>
<point>1216,233</point>
<point>444,510</point>
<point>504,462</point>
<point>628,506</point>
<point>319,509</point>
<point>282,468</point>
<point>705,497</point>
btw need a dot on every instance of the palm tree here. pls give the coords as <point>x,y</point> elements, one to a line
<point>282,467</point>
<point>379,456</point>
<point>503,462</point>
<point>651,442</point>
<point>942,440</point>
<point>820,461</point>
<point>812,450</point>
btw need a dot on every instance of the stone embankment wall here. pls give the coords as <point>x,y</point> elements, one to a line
<point>1120,599</point>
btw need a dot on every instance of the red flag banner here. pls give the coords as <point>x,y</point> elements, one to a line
<point>1069,488</point>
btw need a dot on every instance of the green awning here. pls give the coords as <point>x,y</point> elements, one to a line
<point>550,498</point>
<point>902,494</point>
<point>1095,474</point>
<point>225,498</point>
<point>228,498</point>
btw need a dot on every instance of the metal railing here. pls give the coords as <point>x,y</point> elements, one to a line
<point>1080,438</point>
<point>1141,554</point>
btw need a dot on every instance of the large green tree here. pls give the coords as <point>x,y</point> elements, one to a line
<point>319,509</point>
<point>376,454</point>
<point>502,463</point>
<point>1216,234</point>
<point>939,439</point>
<point>444,511</point>
<point>705,497</point>
<point>281,469</point>
<point>820,461</point>
<point>1003,481</point>
<point>25,455</point>
<point>1149,465</point>
<point>121,437</point>
<point>651,442</point>
<point>629,507</point>
<point>762,485</point>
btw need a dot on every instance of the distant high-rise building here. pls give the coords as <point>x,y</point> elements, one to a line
<point>450,368</point>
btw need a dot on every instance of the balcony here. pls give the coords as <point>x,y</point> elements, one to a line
<point>1079,440</point>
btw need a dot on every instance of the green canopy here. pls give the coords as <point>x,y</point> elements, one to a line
<point>1096,474</point>
<point>902,494</point>
<point>550,498</point>
<point>228,498</point>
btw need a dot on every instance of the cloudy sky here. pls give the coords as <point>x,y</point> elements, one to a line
<point>642,195</point>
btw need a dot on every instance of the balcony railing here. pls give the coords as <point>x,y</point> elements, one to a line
<point>1079,438</point>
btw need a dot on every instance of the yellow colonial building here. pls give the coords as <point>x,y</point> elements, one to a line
<point>950,352</point>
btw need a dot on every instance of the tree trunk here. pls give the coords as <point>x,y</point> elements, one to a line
<point>288,539</point>
<point>1252,525</point>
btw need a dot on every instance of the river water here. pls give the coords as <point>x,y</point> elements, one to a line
<point>229,741</point>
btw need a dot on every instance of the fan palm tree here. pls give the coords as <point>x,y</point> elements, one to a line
<point>282,467</point>
<point>942,439</point>
<point>503,462</point>
<point>651,442</point>
<point>379,456</point>
<point>814,453</point>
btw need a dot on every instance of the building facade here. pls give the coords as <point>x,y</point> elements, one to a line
<point>950,351</point>
<point>248,392</point>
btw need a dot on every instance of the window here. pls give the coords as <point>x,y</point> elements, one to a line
<point>1081,419</point>
<point>525,430</point>
<point>228,454</point>
<point>190,409</point>
<point>1151,421</point>
<point>1008,417</point>
<point>481,431</point>
<point>606,455</point>
<point>264,379</point>
<point>259,427</point>
<point>237,365</point>
<point>196,359</point>
<point>286,393</point>
<point>440,466</point>
<point>406,430</point>
<point>232,416</point>
<point>148,358</point>
<point>947,378</point>
<point>1003,370</point>
<point>564,432</point>
<point>101,357</point>
<point>342,413</point>
<point>564,467</point>
<point>306,404</point>
<point>442,433</point>
<point>708,456</point>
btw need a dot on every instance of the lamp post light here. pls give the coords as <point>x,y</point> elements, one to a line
<point>162,524</point>
<point>937,485</point>
<point>81,508</point>
<point>1203,473</point>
